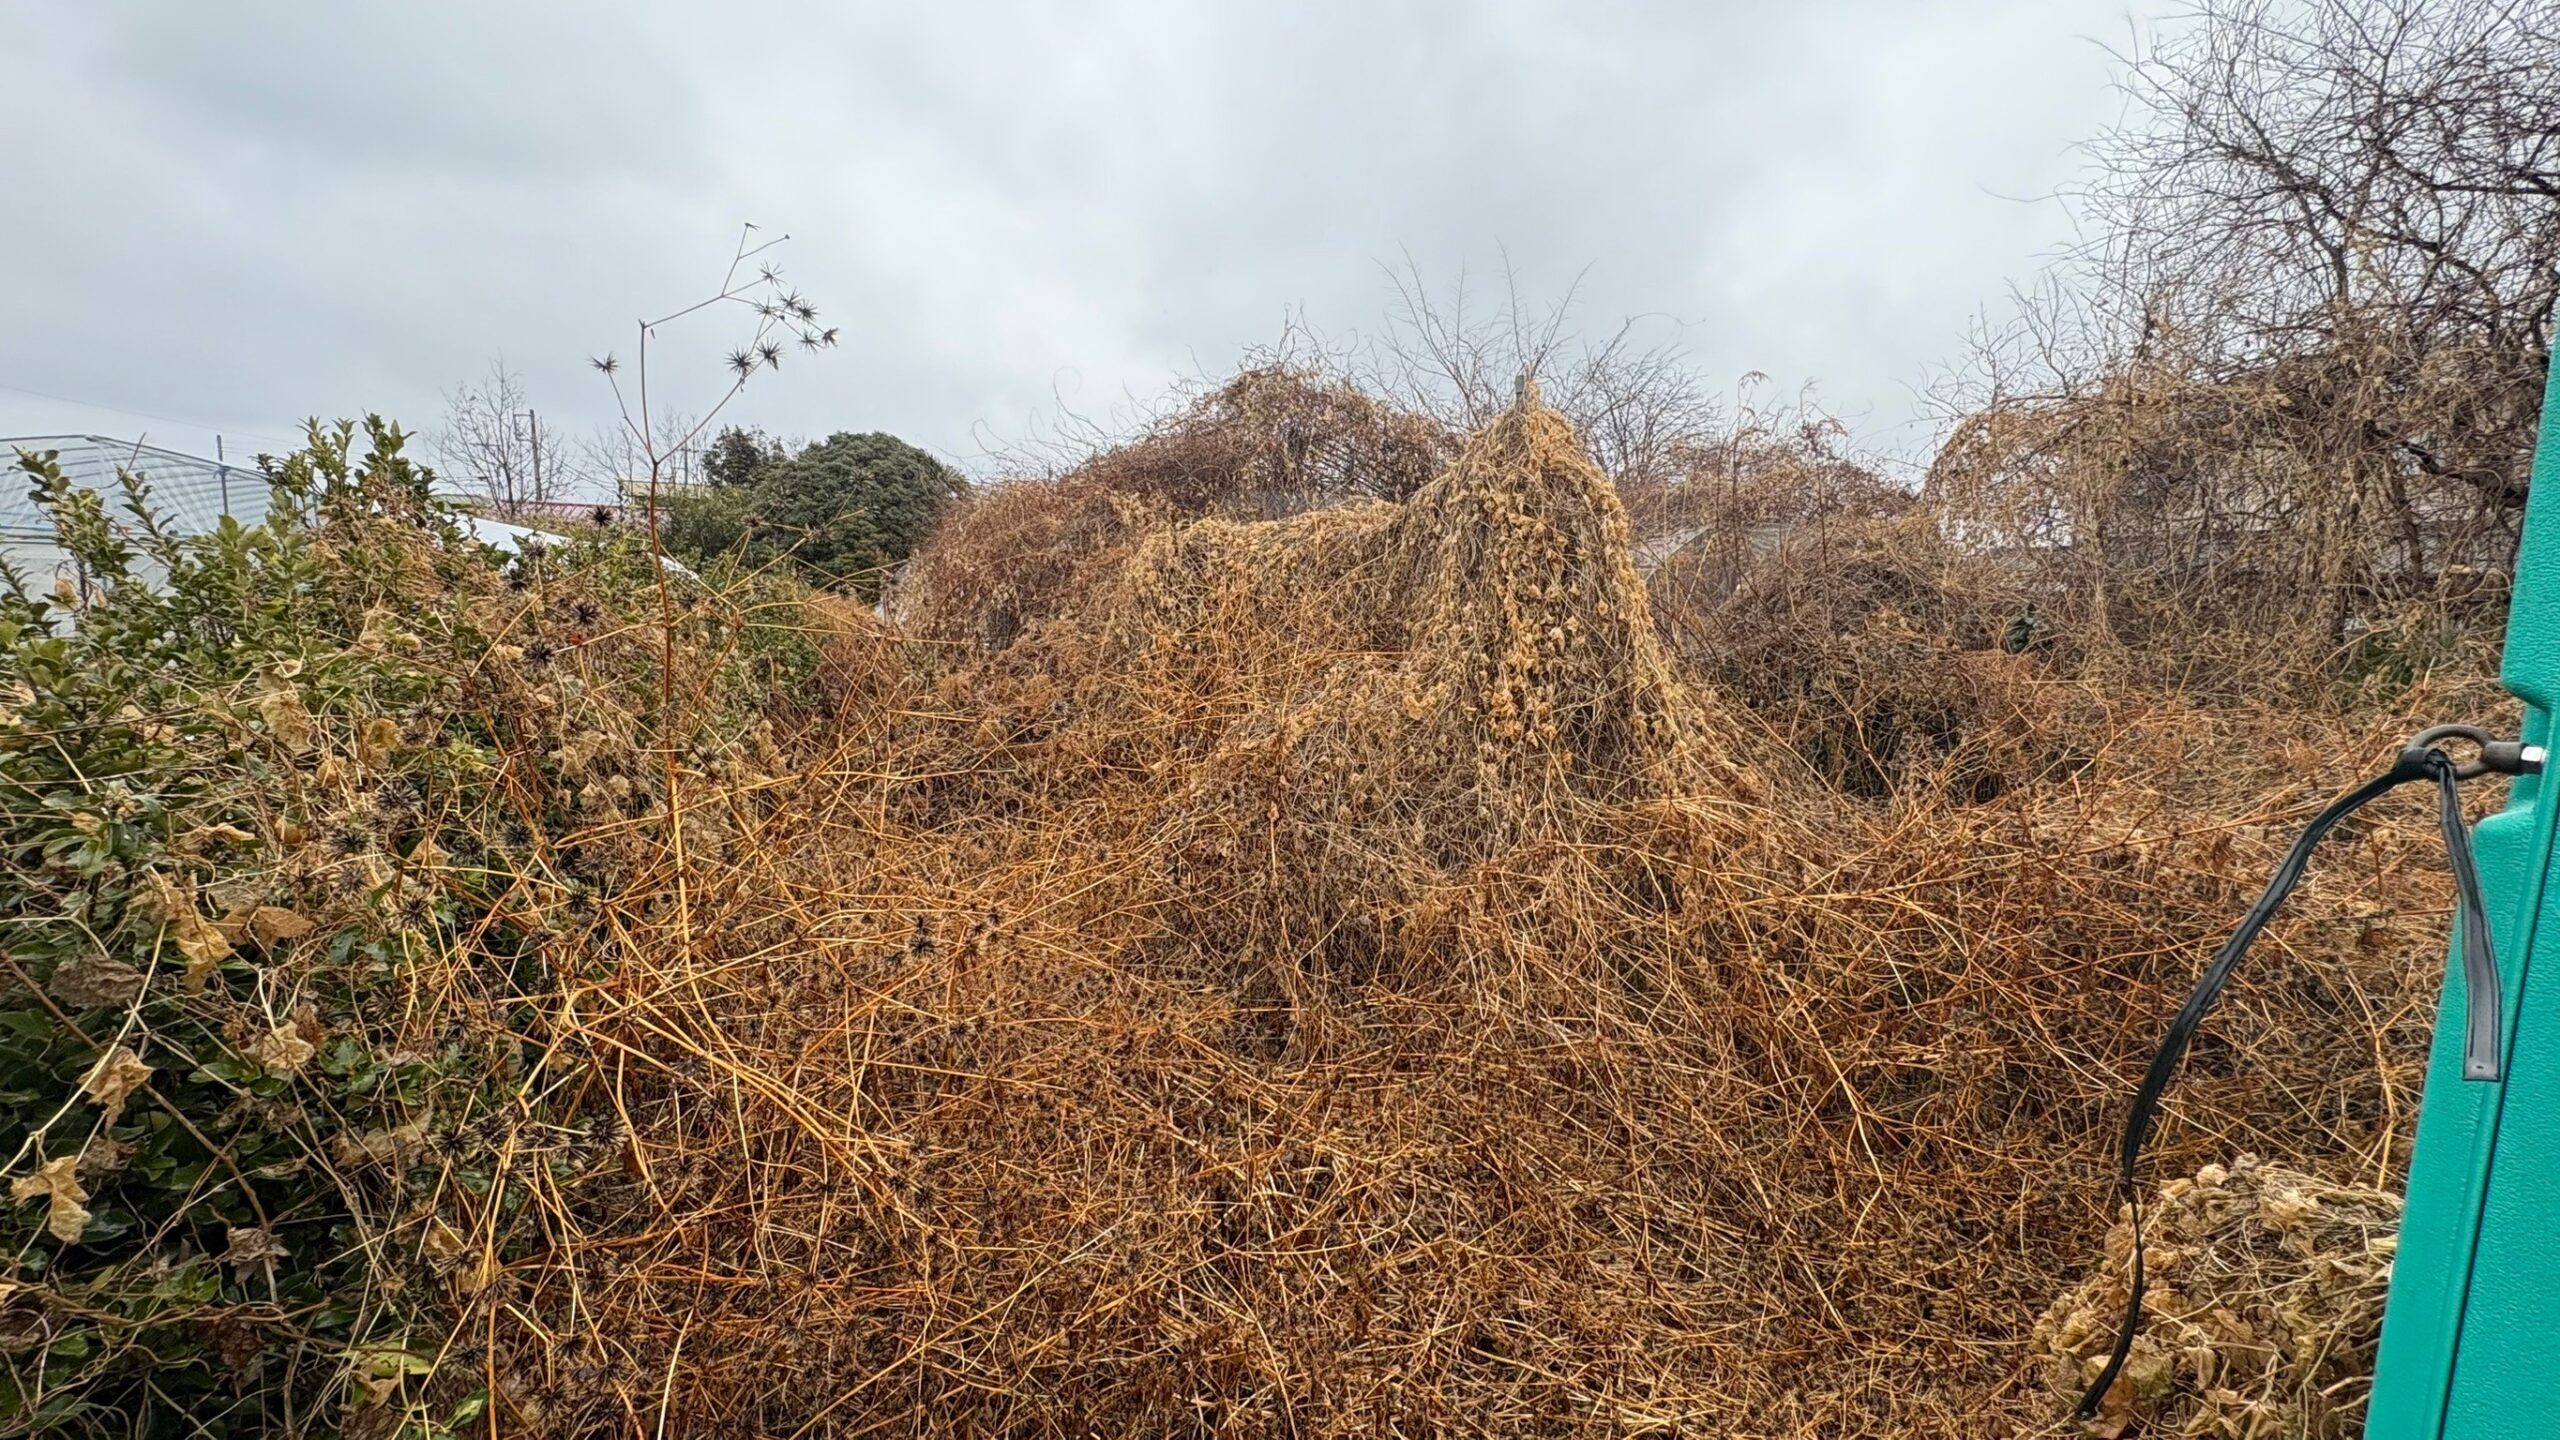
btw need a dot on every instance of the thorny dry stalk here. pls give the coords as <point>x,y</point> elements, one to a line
<point>782,315</point>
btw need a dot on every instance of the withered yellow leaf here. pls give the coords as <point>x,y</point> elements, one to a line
<point>378,740</point>
<point>115,1077</point>
<point>271,923</point>
<point>57,1183</point>
<point>281,1051</point>
<point>288,722</point>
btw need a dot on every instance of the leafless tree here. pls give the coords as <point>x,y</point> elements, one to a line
<point>2351,175</point>
<point>495,444</point>
<point>1455,360</point>
<point>615,455</point>
<point>1638,401</point>
<point>2292,379</point>
<point>1642,410</point>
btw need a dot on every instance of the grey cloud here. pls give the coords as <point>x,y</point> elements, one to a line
<point>245,213</point>
<point>461,87</point>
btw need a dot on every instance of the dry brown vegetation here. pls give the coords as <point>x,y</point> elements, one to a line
<point>1346,974</point>
<point>1277,439</point>
<point>1386,907</point>
<point>2270,1308</point>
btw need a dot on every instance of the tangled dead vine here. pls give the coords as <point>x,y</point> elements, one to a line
<point>1340,973</point>
<point>1340,977</point>
<point>2264,1315</point>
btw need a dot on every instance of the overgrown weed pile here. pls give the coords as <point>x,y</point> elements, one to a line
<point>304,843</point>
<point>2263,1315</point>
<point>1338,978</point>
<point>1277,439</point>
<point>1345,974</point>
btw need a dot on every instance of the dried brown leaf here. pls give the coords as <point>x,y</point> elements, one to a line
<point>281,1051</point>
<point>115,1077</point>
<point>91,982</point>
<point>57,1183</point>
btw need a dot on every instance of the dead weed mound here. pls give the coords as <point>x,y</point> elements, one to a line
<point>1334,978</point>
<point>1886,657</point>
<point>2263,1313</point>
<point>1276,440</point>
<point>1477,659</point>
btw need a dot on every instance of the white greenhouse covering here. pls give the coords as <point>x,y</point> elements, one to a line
<point>189,496</point>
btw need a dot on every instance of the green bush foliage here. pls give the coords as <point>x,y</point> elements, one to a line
<point>841,512</point>
<point>287,840</point>
<point>702,525</point>
<point>849,507</point>
<point>735,455</point>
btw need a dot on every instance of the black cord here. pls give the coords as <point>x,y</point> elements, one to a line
<point>2481,1055</point>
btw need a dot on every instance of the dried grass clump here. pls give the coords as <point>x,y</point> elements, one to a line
<point>1335,978</point>
<point>1728,494</point>
<point>2262,1316</point>
<point>1398,694</point>
<point>1276,440</point>
<point>1013,554</point>
<point>1885,657</point>
<point>1489,636</point>
<point>2235,529</point>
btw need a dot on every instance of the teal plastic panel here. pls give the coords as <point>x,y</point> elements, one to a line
<point>2471,1341</point>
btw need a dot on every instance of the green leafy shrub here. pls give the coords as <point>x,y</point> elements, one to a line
<point>289,842</point>
<point>735,455</point>
<point>698,526</point>
<point>847,508</point>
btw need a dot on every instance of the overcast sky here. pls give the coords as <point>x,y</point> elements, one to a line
<point>224,217</point>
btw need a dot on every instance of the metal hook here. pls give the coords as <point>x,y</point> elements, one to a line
<point>2494,757</point>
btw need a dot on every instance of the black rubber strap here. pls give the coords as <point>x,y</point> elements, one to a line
<point>2482,1035</point>
<point>2483,1041</point>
